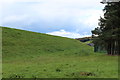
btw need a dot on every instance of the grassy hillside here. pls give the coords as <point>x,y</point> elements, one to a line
<point>29,55</point>
<point>20,43</point>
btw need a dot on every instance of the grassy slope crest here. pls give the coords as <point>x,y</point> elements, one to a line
<point>20,43</point>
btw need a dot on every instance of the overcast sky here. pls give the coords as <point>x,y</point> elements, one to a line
<point>67,18</point>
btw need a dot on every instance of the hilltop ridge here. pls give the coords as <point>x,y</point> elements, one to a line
<point>20,42</point>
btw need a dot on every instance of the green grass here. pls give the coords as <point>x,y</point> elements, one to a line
<point>0,52</point>
<point>35,55</point>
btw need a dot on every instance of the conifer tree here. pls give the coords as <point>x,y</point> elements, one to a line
<point>109,30</point>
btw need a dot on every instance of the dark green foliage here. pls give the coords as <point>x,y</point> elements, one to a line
<point>16,76</point>
<point>109,31</point>
<point>58,70</point>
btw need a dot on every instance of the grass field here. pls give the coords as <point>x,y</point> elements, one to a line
<point>35,55</point>
<point>0,52</point>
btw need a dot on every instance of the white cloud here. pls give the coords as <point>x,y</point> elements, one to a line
<point>64,33</point>
<point>55,1</point>
<point>91,19</point>
<point>52,10</point>
<point>14,18</point>
<point>0,14</point>
<point>54,13</point>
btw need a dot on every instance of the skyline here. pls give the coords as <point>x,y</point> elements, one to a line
<point>72,19</point>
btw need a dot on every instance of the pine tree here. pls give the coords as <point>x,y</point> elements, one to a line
<point>109,30</point>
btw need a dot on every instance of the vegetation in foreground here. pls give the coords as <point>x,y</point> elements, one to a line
<point>35,55</point>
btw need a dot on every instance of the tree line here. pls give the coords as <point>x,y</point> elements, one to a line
<point>107,35</point>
